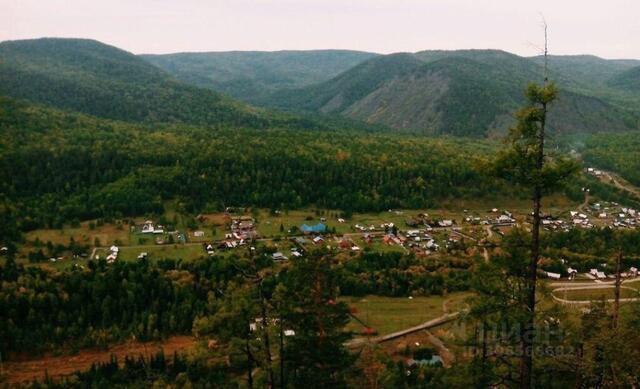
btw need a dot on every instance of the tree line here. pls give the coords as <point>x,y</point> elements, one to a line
<point>57,167</point>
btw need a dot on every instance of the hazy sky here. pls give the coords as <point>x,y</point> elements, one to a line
<point>608,28</point>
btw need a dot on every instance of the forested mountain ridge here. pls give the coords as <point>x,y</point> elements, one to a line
<point>586,69</point>
<point>462,93</point>
<point>467,92</point>
<point>251,75</point>
<point>344,90</point>
<point>94,78</point>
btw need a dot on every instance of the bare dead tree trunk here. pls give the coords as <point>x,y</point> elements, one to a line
<point>616,309</point>
<point>282,379</point>
<point>616,303</point>
<point>265,337</point>
<point>485,352</point>
<point>528,333</point>
<point>579,355</point>
<point>250,365</point>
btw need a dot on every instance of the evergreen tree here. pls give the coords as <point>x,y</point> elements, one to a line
<point>316,355</point>
<point>526,163</point>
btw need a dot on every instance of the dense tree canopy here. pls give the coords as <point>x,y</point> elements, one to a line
<point>58,166</point>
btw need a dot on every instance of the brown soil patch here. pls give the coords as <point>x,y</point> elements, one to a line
<point>215,219</point>
<point>59,366</point>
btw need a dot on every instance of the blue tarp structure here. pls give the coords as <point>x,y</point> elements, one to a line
<point>317,228</point>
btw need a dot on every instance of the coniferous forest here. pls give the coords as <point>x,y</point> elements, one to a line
<point>415,220</point>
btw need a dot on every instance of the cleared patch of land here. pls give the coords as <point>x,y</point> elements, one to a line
<point>595,294</point>
<point>171,251</point>
<point>391,314</point>
<point>59,366</point>
<point>106,234</point>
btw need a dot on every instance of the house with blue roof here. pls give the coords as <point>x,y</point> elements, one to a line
<point>318,228</point>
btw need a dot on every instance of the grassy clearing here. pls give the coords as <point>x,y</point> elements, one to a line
<point>595,294</point>
<point>178,251</point>
<point>390,314</point>
<point>106,234</point>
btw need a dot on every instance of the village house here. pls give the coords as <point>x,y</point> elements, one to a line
<point>317,229</point>
<point>555,276</point>
<point>208,248</point>
<point>253,326</point>
<point>113,254</point>
<point>597,274</point>
<point>243,228</point>
<point>345,244</point>
<point>445,223</point>
<point>148,228</point>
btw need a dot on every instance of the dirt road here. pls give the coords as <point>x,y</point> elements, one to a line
<point>620,183</point>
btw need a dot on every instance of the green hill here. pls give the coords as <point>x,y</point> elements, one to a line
<point>250,75</point>
<point>627,80</point>
<point>594,76</point>
<point>339,93</point>
<point>465,93</point>
<point>585,69</point>
<point>445,96</point>
<point>91,77</point>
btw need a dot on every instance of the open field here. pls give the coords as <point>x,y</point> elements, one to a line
<point>595,294</point>
<point>106,234</point>
<point>390,314</point>
<point>173,251</point>
<point>59,366</point>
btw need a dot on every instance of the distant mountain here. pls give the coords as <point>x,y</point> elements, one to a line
<point>585,69</point>
<point>462,93</point>
<point>250,75</point>
<point>346,89</point>
<point>466,93</point>
<point>594,76</point>
<point>627,80</point>
<point>94,78</point>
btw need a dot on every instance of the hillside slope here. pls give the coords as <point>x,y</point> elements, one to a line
<point>59,165</point>
<point>339,93</point>
<point>598,77</point>
<point>249,75</point>
<point>627,80</point>
<point>94,78</point>
<point>465,93</point>
<point>585,70</point>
